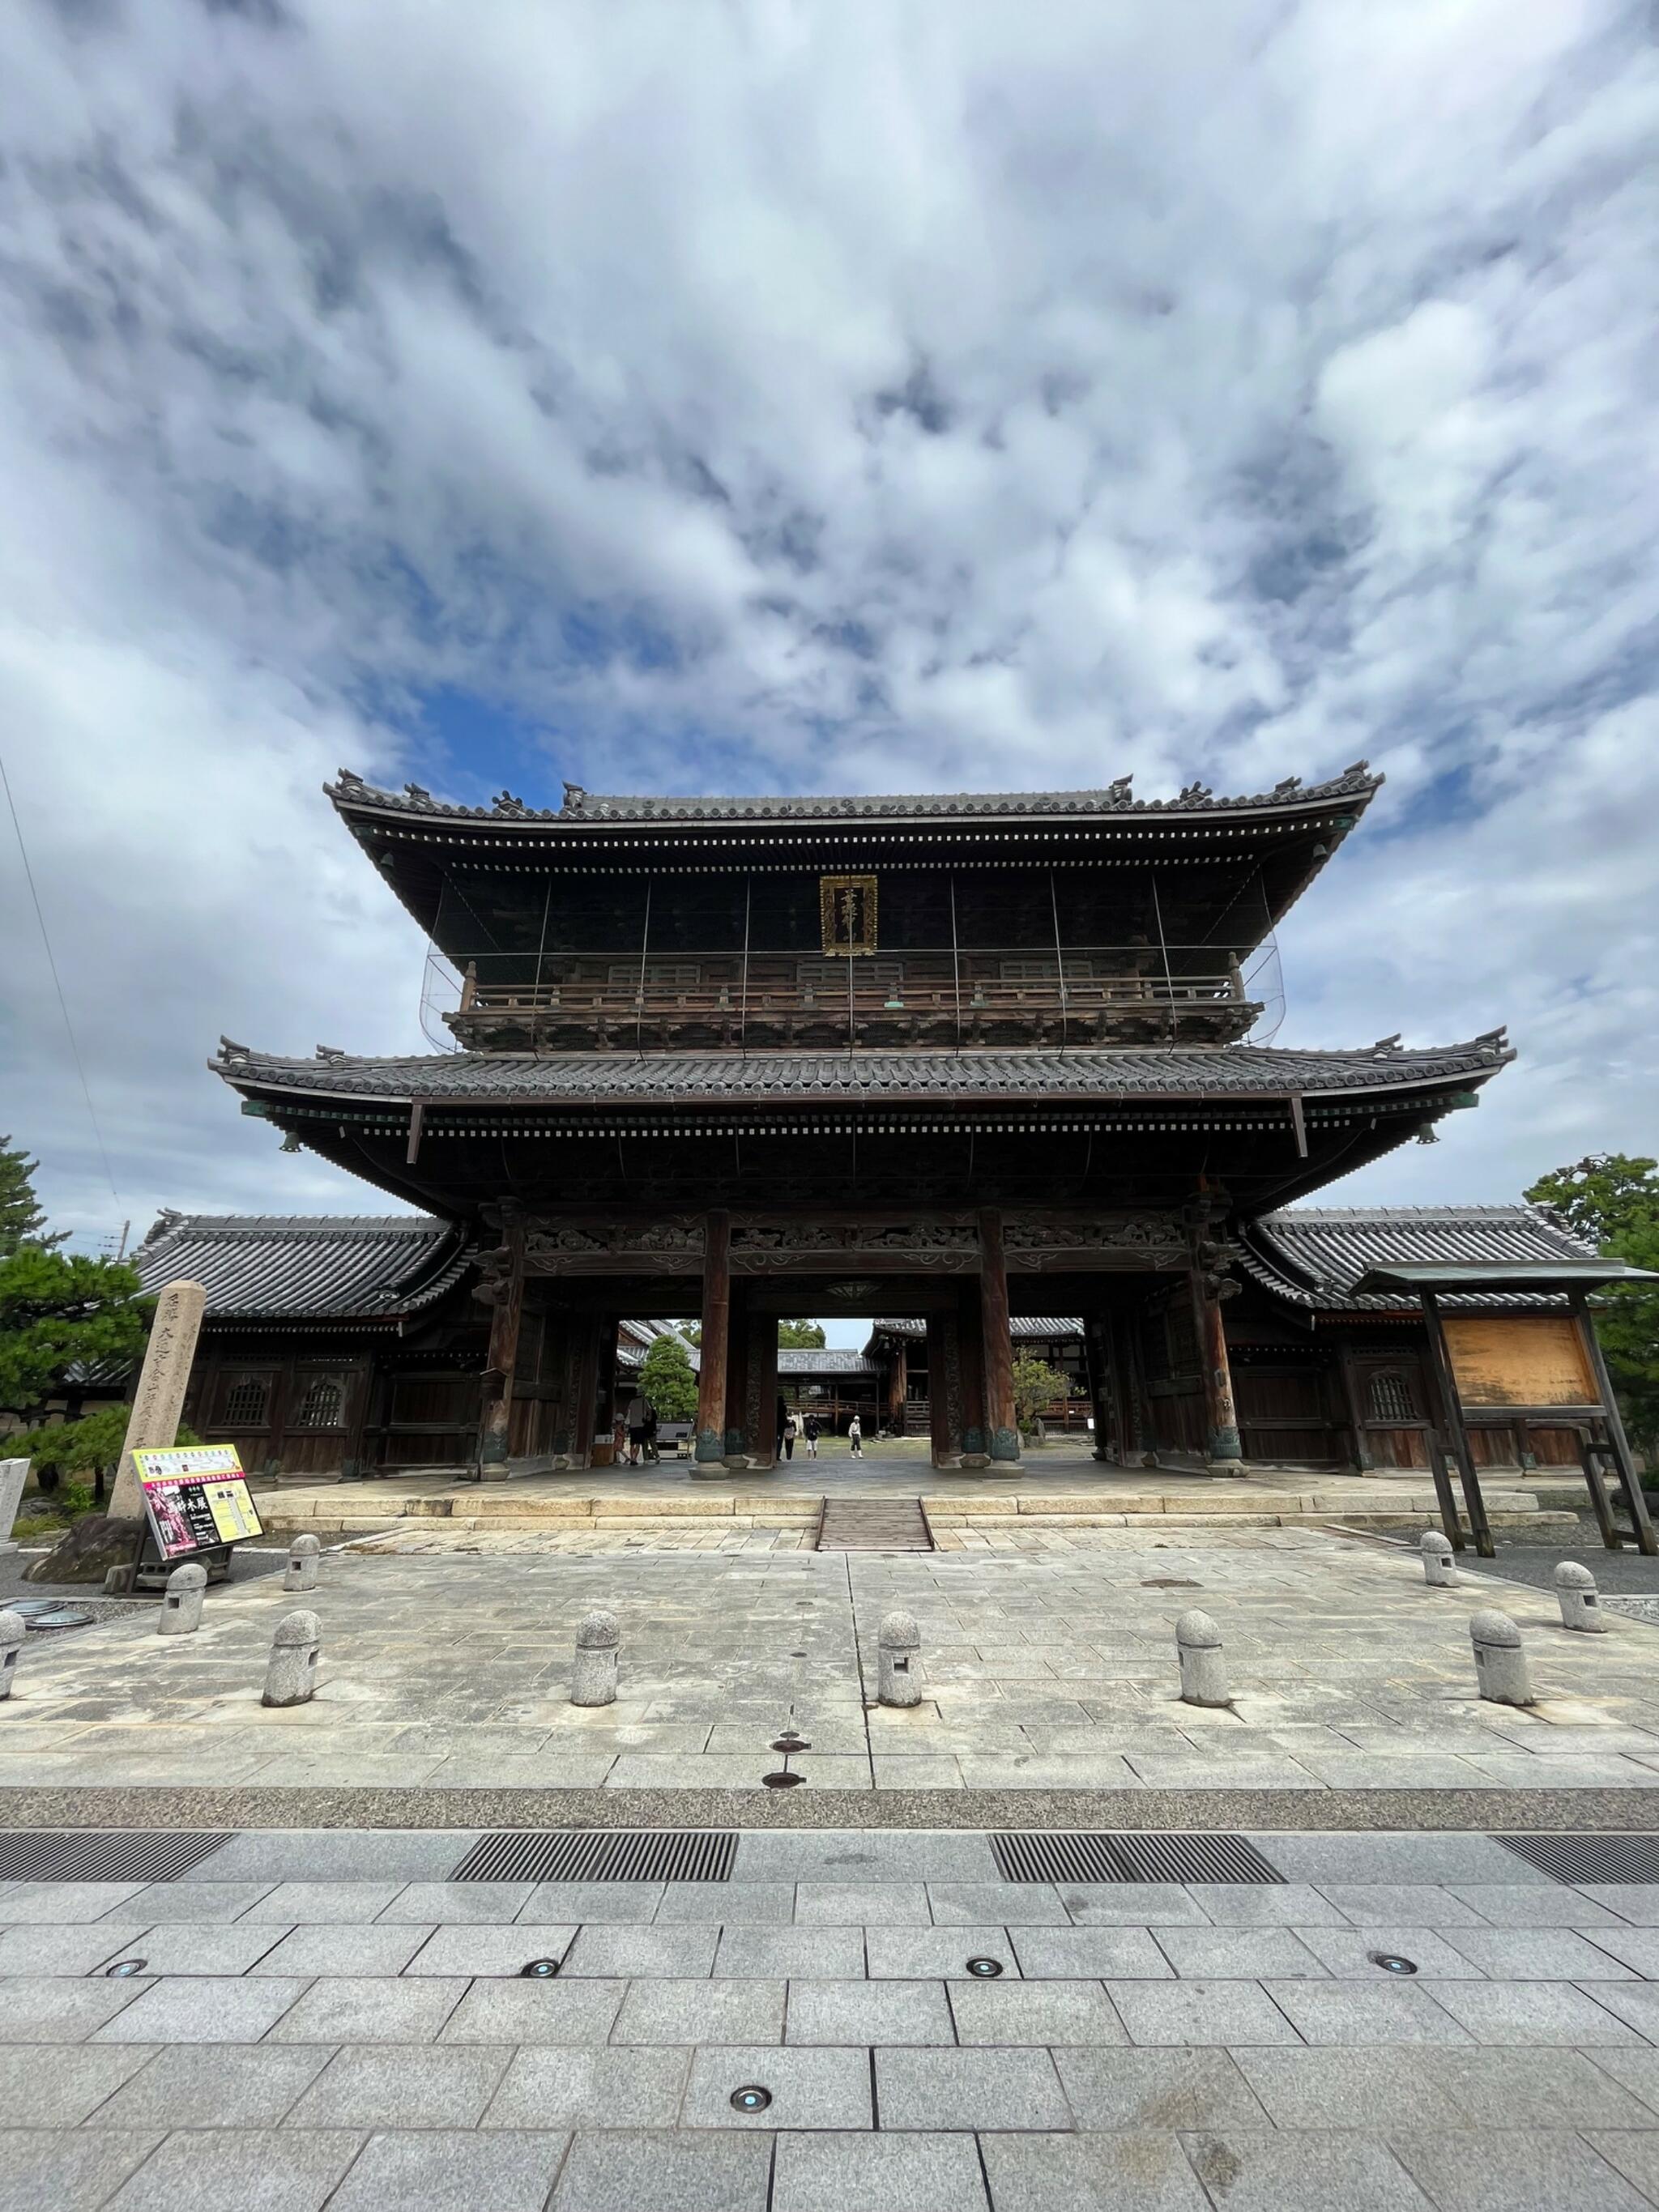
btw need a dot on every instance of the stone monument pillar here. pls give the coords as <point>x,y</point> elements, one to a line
<point>160,1398</point>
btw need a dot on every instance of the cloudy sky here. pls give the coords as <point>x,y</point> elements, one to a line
<point>768,395</point>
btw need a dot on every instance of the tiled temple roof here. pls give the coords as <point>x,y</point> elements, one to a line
<point>1022,1326</point>
<point>350,793</point>
<point>662,1078</point>
<point>1313,1255</point>
<point>316,1267</point>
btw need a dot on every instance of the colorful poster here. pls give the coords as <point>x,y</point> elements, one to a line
<point>197,1497</point>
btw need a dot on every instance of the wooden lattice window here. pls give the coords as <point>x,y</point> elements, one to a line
<point>321,1405</point>
<point>1390,1397</point>
<point>246,1402</point>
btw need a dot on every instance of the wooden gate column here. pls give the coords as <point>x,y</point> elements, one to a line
<point>760,1420</point>
<point>605,1381</point>
<point>1451,1410</point>
<point>716,1332</point>
<point>996,1339</point>
<point>584,1373</point>
<point>897,1378</point>
<point>970,1354</point>
<point>506,1290</point>
<point>1097,1366</point>
<point>1636,1504</point>
<point>1221,1447</point>
<point>945,1388</point>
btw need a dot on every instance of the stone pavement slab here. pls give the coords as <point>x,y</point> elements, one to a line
<point>46,2167</point>
<point>1090,2173</point>
<point>207,2169</point>
<point>431,2170</point>
<point>837,2173</point>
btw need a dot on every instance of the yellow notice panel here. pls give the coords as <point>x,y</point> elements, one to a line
<point>1518,1359</point>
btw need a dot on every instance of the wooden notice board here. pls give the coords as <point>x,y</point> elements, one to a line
<point>1518,1359</point>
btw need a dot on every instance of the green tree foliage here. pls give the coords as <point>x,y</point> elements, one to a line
<point>666,1381</point>
<point>800,1336</point>
<point>1036,1387</point>
<point>1613,1200</point>
<point>58,1310</point>
<point>81,1447</point>
<point>21,1221</point>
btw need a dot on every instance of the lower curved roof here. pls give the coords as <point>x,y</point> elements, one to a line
<point>257,1267</point>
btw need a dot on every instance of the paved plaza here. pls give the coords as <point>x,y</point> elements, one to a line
<point>333,2020</point>
<point>447,1662</point>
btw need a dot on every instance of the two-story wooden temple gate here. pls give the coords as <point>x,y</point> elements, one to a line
<point>958,1057</point>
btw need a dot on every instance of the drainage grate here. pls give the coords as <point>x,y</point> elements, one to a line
<point>1588,1858</point>
<point>1026,1856</point>
<point>101,1855</point>
<point>602,1855</point>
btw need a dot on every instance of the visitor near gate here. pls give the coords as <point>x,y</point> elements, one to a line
<point>855,1436</point>
<point>786,1430</point>
<point>809,1429</point>
<point>639,1414</point>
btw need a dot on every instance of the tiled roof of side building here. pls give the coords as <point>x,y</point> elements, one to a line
<point>581,809</point>
<point>320,1266</point>
<point>617,1079</point>
<point>1313,1255</point>
<point>1021,1327</point>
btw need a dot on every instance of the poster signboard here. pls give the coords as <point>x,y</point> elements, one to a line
<point>196,1498</point>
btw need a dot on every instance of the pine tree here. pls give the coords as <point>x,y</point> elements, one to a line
<point>800,1336</point>
<point>21,1221</point>
<point>1613,1200</point>
<point>666,1381</point>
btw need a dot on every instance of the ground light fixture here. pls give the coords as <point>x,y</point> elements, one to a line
<point>985,1970</point>
<point>1392,1963</point>
<point>538,1969</point>
<point>751,2097</point>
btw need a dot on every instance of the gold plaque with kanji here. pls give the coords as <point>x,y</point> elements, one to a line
<point>847,909</point>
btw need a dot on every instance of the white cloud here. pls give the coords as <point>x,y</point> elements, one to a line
<point>1018,397</point>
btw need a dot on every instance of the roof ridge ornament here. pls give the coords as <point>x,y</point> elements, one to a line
<point>234,1054</point>
<point>574,798</point>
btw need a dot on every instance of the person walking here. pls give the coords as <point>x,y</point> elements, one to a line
<point>786,1429</point>
<point>809,1429</point>
<point>652,1455</point>
<point>855,1436</point>
<point>639,1411</point>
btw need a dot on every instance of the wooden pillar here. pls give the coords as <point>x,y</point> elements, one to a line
<point>970,1357</point>
<point>1132,1398</point>
<point>1098,1367</point>
<point>584,1332</point>
<point>605,1379</point>
<point>737,1408</point>
<point>897,1378</point>
<point>1635,1504</point>
<point>996,1340</point>
<point>1362,1456</point>
<point>944,1389</point>
<point>716,1336</point>
<point>761,1398</point>
<point>506,1314</point>
<point>1222,1448</point>
<point>1451,1409</point>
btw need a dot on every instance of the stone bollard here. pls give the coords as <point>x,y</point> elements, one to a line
<point>1438,1571</point>
<point>181,1608</point>
<point>1500,1664</point>
<point>898,1661</point>
<point>1575,1592</point>
<point>1203,1670</point>
<point>291,1672</point>
<point>12,1629</point>
<point>593,1677</point>
<point>305,1564</point>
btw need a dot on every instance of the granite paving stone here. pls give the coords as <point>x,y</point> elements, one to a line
<point>579,1902</point>
<point>1177,2087</point>
<point>61,1903</point>
<point>183,1947</point>
<point>51,2009</point>
<point>75,1948</point>
<point>409,2084</point>
<point>832,1954</point>
<point>195,2009</point>
<point>1090,2173</point>
<point>369,2008</point>
<point>1045,2013</point>
<point>263,2169</point>
<point>1636,1948</point>
<point>342,1948</point>
<point>1419,1904</point>
<point>59,2085</point>
<point>1247,1954</point>
<point>863,1904</point>
<point>1269,1905</point>
<point>1015,1904</point>
<point>439,2170</point>
<point>226,2086</point>
<point>1134,1904</point>
<point>1635,1901</point>
<point>479,1947</point>
<point>202,1902</point>
<point>497,2010</point>
<point>1522,2170</point>
<point>575,2087</point>
<point>296,1904</point>
<point>832,2171</point>
<point>811,2088</point>
<point>737,2011</point>
<point>1086,1953</point>
<point>1394,1857</point>
<point>913,1954</point>
<point>437,1903</point>
<point>1538,1955</point>
<point>1382,2011</point>
<point>1282,2172</point>
<point>1222,2013</point>
<point>977,2090</point>
<point>1530,1904</point>
<point>1534,2012</point>
<point>1636,2004</point>
<point>866,2012</point>
<point>1636,2157</point>
<point>684,2170</point>
<point>1635,2069</point>
<point>55,2170</point>
<point>1349,1951</point>
<point>628,1953</point>
<point>735,1903</point>
<point>1413,2086</point>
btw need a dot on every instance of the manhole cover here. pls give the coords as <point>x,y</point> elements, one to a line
<point>782,1781</point>
<point>51,1613</point>
<point>751,2097</point>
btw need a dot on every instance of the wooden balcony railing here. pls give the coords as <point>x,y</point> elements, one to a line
<point>1111,994</point>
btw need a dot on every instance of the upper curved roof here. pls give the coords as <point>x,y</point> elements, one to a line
<point>585,809</point>
<point>1313,1256</point>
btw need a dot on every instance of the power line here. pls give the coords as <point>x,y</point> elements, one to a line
<point>58,985</point>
